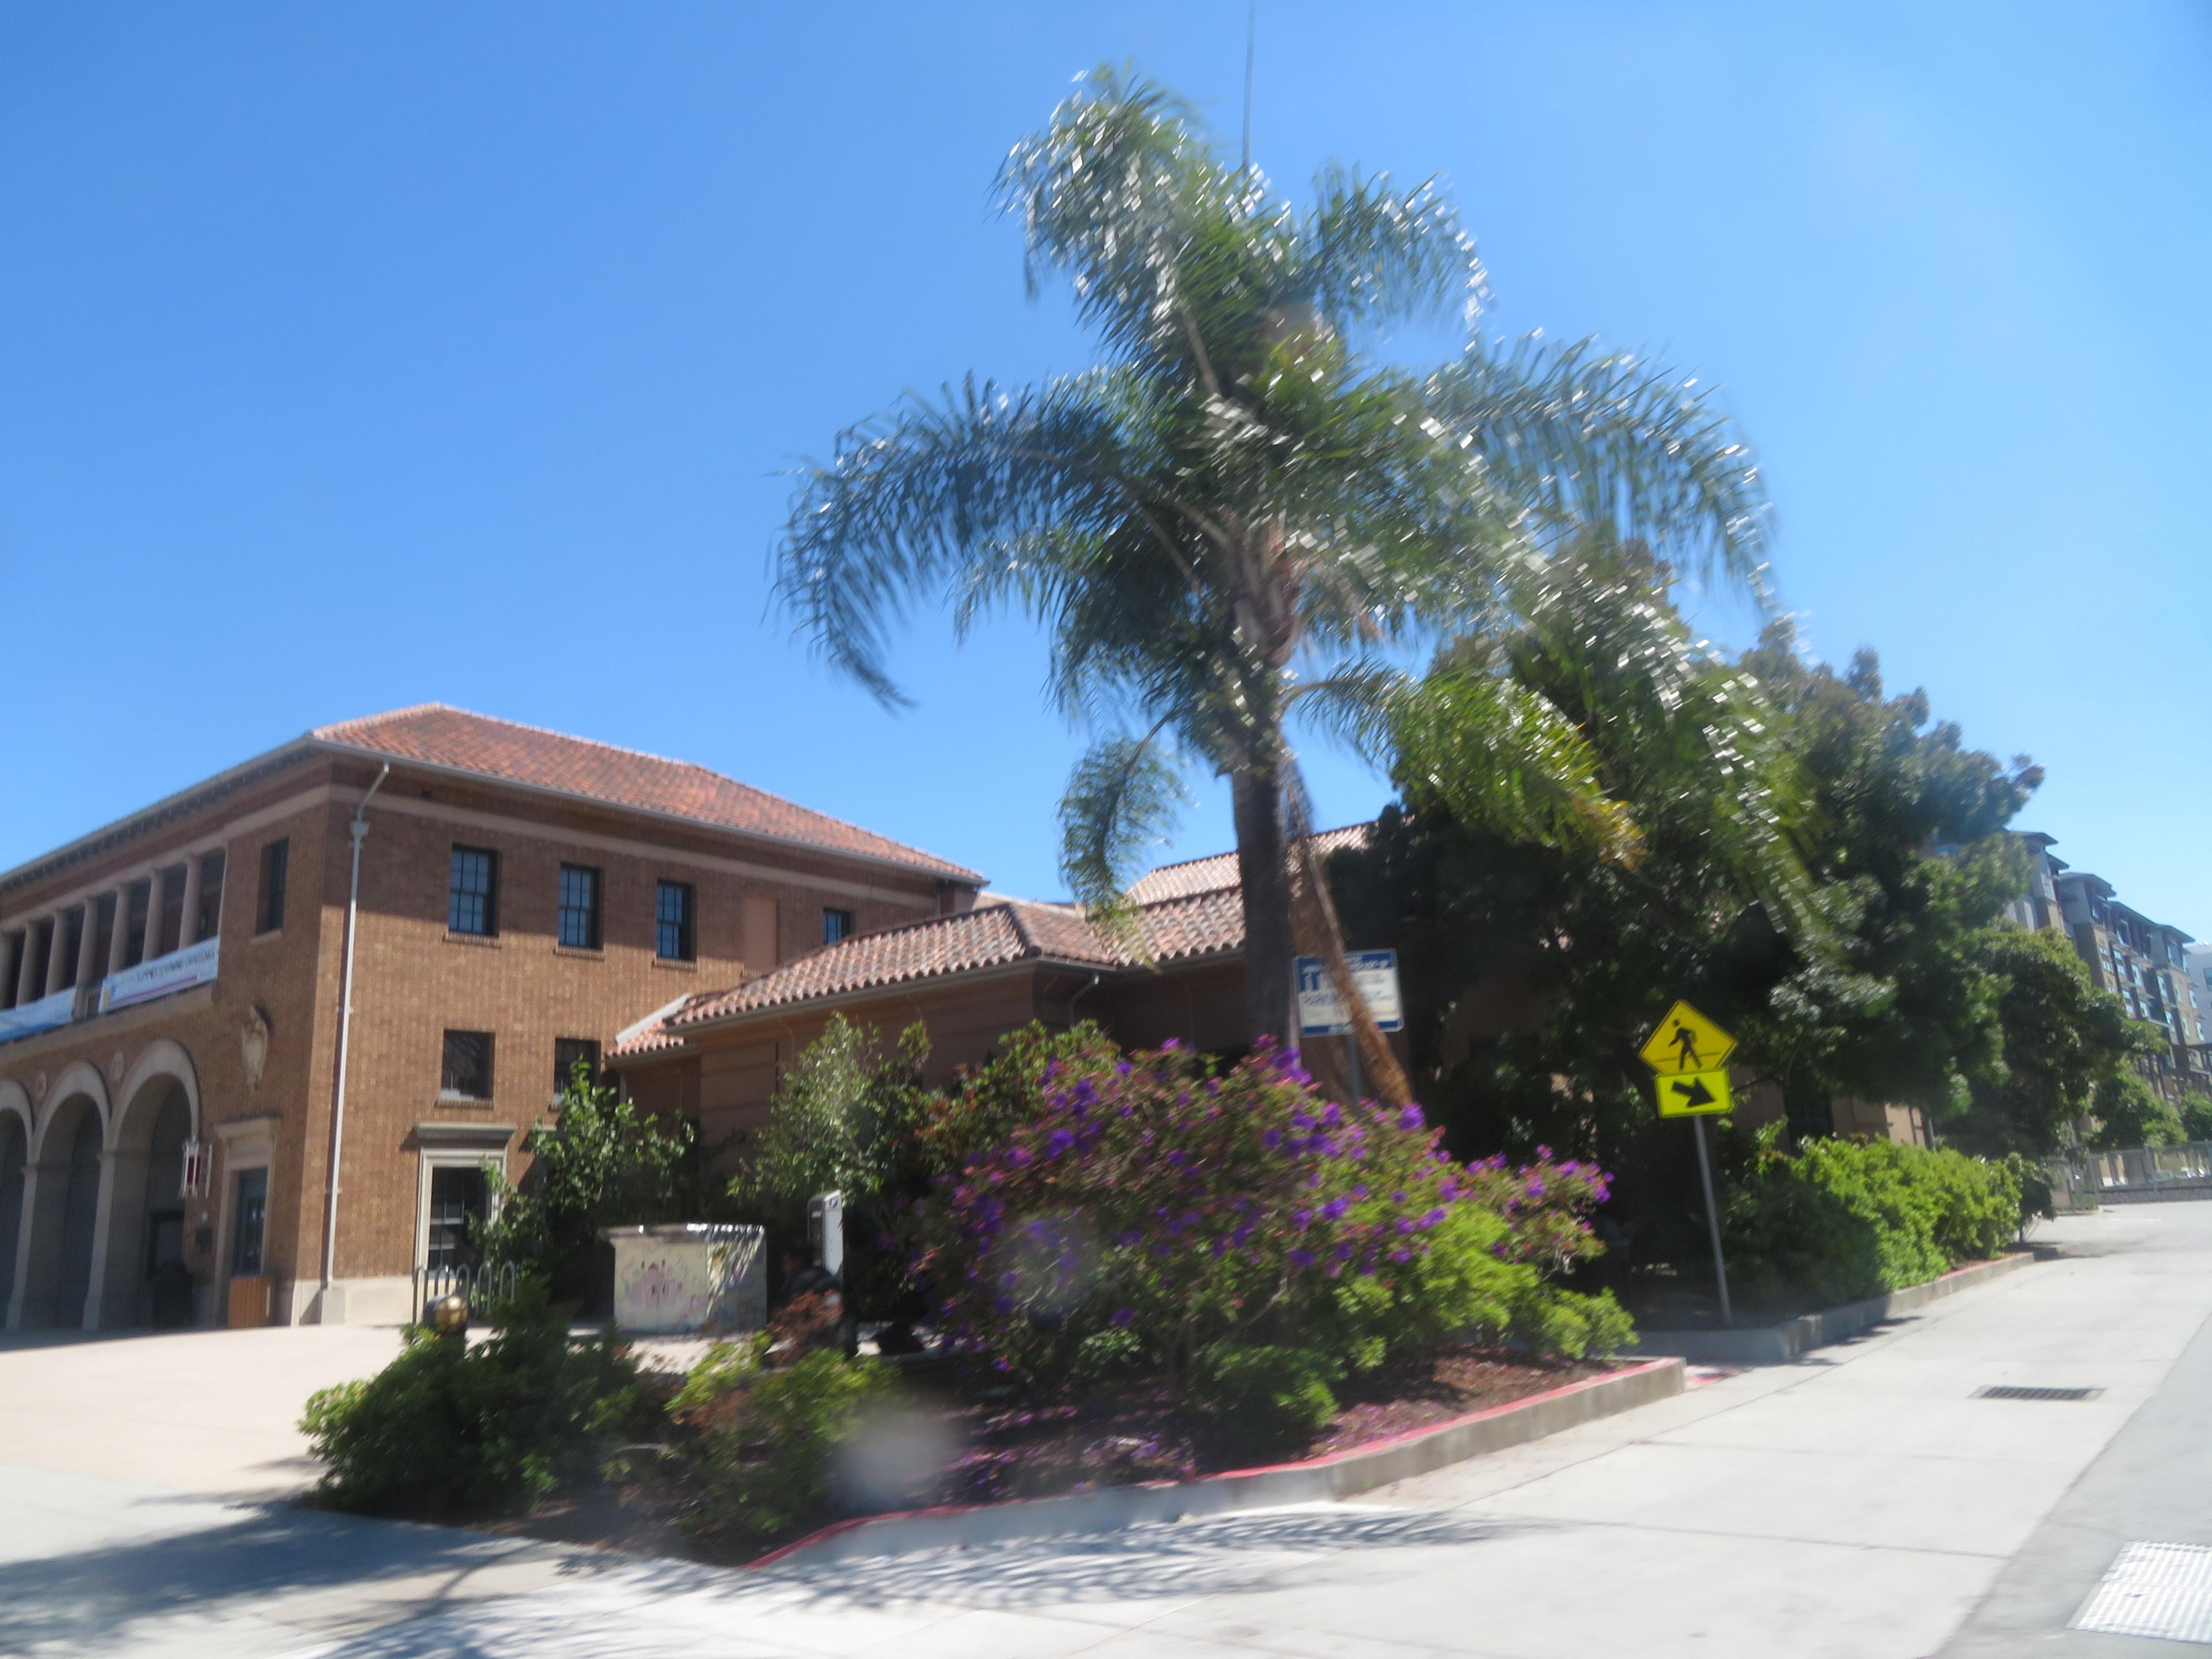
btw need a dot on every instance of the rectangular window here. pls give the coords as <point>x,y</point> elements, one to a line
<point>467,1073</point>
<point>569,1053</point>
<point>172,883</point>
<point>248,1215</point>
<point>579,927</point>
<point>103,937</point>
<point>209,917</point>
<point>836,925</point>
<point>673,912</point>
<point>275,859</point>
<point>472,892</point>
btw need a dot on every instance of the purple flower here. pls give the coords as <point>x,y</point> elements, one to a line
<point>1303,1258</point>
<point>1410,1118</point>
<point>1123,1317</point>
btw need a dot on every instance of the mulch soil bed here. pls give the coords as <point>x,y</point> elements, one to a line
<point>1006,1447</point>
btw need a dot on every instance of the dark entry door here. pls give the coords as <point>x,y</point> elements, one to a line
<point>457,1198</point>
<point>249,1218</point>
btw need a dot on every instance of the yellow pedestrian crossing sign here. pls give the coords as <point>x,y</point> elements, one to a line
<point>1694,1094</point>
<point>1687,1042</point>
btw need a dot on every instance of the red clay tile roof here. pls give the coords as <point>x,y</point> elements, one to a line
<point>1187,910</point>
<point>1180,928</point>
<point>453,738</point>
<point>1217,871</point>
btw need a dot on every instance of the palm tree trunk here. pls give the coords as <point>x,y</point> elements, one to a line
<point>1263,866</point>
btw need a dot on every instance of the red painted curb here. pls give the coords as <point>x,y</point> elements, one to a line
<point>1349,1455</point>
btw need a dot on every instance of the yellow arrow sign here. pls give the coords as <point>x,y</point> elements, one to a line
<point>1687,1042</point>
<point>1694,1094</point>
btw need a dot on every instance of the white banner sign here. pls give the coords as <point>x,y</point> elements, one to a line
<point>29,1018</point>
<point>1374,975</point>
<point>179,970</point>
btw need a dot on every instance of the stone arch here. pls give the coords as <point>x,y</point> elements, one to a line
<point>64,1202</point>
<point>15,1121</point>
<point>142,1213</point>
<point>163,1057</point>
<point>80,1079</point>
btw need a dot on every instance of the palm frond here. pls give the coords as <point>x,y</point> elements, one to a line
<point>981,476</point>
<point>1588,439</point>
<point>1498,754</point>
<point>1122,798</point>
<point>1376,253</point>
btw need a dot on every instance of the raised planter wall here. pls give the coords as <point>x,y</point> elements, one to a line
<point>1778,1345</point>
<point>1343,1475</point>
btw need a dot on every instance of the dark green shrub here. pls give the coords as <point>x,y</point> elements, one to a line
<point>768,1439</point>
<point>1841,1219</point>
<point>1265,1398</point>
<point>2034,1183</point>
<point>451,1429</point>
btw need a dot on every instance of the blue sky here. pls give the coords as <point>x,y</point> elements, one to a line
<point>353,357</point>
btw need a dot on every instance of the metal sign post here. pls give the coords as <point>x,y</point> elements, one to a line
<point>1713,1221</point>
<point>1688,1055</point>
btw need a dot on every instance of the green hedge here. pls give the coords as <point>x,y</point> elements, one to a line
<point>1836,1220</point>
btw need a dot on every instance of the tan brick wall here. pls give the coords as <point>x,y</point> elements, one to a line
<point>413,981</point>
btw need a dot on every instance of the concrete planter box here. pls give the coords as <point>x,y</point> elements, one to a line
<point>688,1277</point>
<point>1778,1345</point>
<point>1344,1474</point>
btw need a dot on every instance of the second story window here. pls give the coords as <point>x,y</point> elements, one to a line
<point>836,925</point>
<point>672,913</point>
<point>579,908</point>
<point>465,1071</point>
<point>275,858</point>
<point>472,892</point>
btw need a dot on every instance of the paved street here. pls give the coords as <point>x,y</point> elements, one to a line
<point>1863,1503</point>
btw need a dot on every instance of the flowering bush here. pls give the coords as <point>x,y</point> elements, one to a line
<point>1149,1211</point>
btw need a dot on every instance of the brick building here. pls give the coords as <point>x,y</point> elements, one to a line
<point>170,989</point>
<point>970,977</point>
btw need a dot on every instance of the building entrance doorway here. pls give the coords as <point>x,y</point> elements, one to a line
<point>458,1193</point>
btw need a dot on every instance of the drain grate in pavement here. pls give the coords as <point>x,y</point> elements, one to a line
<point>2161,1591</point>
<point>2007,1391</point>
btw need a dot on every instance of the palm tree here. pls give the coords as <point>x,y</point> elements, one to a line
<point>1237,520</point>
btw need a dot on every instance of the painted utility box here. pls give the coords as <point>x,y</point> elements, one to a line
<point>688,1277</point>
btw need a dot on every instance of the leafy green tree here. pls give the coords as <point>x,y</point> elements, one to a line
<point>2067,1052</point>
<point>1834,916</point>
<point>1240,514</point>
<point>601,1164</point>
<point>839,1121</point>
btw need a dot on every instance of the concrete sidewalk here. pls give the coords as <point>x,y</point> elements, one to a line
<point>1862,1502</point>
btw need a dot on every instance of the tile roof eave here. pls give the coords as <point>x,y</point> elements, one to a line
<point>147,819</point>
<point>924,865</point>
<point>800,1006</point>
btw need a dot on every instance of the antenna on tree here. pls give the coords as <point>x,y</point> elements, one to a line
<point>1251,39</point>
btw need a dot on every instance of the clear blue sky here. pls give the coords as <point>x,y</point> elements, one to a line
<point>358,356</point>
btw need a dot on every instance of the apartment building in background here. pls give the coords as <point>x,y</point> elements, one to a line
<point>2145,963</point>
<point>170,989</point>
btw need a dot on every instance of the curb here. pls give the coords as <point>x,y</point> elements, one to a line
<point>1342,1474</point>
<point>1778,1345</point>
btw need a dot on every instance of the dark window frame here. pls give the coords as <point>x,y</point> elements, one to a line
<point>837,925</point>
<point>566,1051</point>
<point>276,872</point>
<point>472,892</point>
<point>456,1071</point>
<point>589,884</point>
<point>676,936</point>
